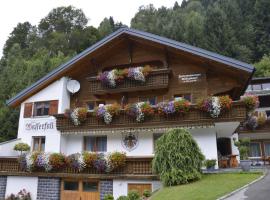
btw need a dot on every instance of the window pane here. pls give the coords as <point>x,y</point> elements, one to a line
<point>268,113</point>
<point>255,150</point>
<point>267,149</point>
<point>266,86</point>
<point>91,105</point>
<point>153,100</point>
<point>42,108</point>
<point>36,144</point>
<point>102,144</point>
<point>89,143</point>
<point>71,185</point>
<point>257,87</point>
<point>264,101</point>
<point>42,148</point>
<point>90,186</point>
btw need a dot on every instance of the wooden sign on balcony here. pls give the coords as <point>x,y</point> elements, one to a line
<point>190,78</point>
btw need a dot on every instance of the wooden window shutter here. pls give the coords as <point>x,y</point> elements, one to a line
<point>28,110</point>
<point>53,107</point>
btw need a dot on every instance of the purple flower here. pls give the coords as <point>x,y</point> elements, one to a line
<point>167,108</point>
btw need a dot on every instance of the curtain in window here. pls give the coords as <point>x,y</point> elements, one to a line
<point>102,144</point>
<point>96,143</point>
<point>267,149</point>
<point>255,150</point>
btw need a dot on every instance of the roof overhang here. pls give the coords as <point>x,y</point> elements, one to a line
<point>50,77</point>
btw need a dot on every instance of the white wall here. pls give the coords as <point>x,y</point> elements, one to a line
<point>120,187</point>
<point>17,183</point>
<point>6,148</point>
<point>55,91</point>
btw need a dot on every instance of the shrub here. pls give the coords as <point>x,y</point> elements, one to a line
<point>21,147</point>
<point>117,159</point>
<point>243,147</point>
<point>123,198</point>
<point>146,193</point>
<point>133,195</point>
<point>178,158</point>
<point>89,158</point>
<point>210,163</point>
<point>108,197</point>
<point>57,161</point>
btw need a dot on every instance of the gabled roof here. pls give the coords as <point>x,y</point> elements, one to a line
<point>140,34</point>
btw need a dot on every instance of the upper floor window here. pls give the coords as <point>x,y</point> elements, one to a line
<point>95,143</point>
<point>38,144</point>
<point>152,100</point>
<point>264,101</point>
<point>183,96</point>
<point>42,108</point>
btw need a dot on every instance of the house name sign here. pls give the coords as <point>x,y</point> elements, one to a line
<point>189,78</point>
<point>39,126</point>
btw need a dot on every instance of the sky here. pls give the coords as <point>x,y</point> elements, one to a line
<point>14,11</point>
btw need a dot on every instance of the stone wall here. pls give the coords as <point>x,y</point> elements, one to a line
<point>3,184</point>
<point>48,188</point>
<point>106,187</point>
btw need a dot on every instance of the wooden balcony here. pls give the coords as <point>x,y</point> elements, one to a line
<point>265,128</point>
<point>136,167</point>
<point>192,118</point>
<point>157,79</point>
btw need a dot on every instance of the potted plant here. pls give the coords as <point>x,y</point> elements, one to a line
<point>243,147</point>
<point>22,147</point>
<point>210,164</point>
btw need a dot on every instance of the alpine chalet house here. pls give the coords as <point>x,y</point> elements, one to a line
<point>257,126</point>
<point>117,98</point>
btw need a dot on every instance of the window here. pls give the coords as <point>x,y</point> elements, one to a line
<point>41,108</point>
<point>38,143</point>
<point>257,87</point>
<point>268,113</point>
<point>95,143</point>
<point>255,149</point>
<point>183,96</point>
<point>267,149</point>
<point>71,185</point>
<point>264,101</point>
<point>91,105</point>
<point>266,86</point>
<point>90,186</point>
<point>152,100</point>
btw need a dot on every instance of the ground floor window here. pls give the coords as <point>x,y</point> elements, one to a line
<point>267,149</point>
<point>95,143</point>
<point>255,149</point>
<point>38,143</point>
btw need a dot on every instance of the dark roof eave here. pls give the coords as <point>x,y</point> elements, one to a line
<point>155,38</point>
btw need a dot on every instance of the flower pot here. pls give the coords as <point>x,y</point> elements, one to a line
<point>245,165</point>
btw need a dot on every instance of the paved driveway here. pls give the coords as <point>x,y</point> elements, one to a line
<point>257,191</point>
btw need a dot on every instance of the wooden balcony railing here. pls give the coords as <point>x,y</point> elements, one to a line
<point>135,166</point>
<point>192,118</point>
<point>157,79</point>
<point>265,128</point>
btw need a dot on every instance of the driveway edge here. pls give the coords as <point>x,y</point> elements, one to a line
<point>243,187</point>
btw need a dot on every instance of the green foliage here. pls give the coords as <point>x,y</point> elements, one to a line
<point>178,158</point>
<point>108,197</point>
<point>21,147</point>
<point>263,67</point>
<point>123,198</point>
<point>146,193</point>
<point>243,147</point>
<point>133,195</point>
<point>210,163</point>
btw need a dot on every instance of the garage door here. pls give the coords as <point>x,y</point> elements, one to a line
<point>139,187</point>
<point>80,190</point>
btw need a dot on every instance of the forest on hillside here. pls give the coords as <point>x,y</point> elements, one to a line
<point>238,29</point>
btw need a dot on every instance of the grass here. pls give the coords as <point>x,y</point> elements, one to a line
<point>210,187</point>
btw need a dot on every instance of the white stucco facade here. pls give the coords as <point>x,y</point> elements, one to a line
<point>6,148</point>
<point>16,183</point>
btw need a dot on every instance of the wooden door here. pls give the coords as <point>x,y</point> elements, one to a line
<point>79,189</point>
<point>139,187</point>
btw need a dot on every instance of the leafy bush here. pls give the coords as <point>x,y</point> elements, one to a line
<point>117,159</point>
<point>133,195</point>
<point>210,163</point>
<point>22,195</point>
<point>178,158</point>
<point>243,147</point>
<point>123,198</point>
<point>57,161</point>
<point>146,193</point>
<point>108,197</point>
<point>21,147</point>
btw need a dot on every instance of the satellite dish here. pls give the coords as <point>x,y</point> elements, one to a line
<point>73,86</point>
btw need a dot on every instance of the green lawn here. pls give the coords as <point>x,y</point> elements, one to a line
<point>209,187</point>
